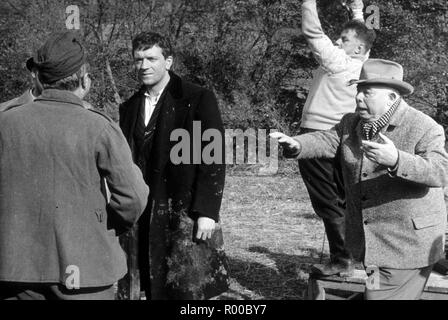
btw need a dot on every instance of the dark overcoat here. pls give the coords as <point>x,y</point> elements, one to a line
<point>179,193</point>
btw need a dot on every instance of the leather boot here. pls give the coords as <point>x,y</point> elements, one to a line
<point>340,258</point>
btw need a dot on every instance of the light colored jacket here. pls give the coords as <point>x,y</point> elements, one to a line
<point>330,98</point>
<point>392,221</point>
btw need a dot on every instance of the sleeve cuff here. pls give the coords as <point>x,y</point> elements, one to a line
<point>392,171</point>
<point>357,7</point>
<point>195,215</point>
<point>292,154</point>
<point>358,15</point>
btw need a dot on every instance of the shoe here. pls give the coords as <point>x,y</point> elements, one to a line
<point>340,267</point>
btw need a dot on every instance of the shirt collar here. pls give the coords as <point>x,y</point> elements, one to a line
<point>157,96</point>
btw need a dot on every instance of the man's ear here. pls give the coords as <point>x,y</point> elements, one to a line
<point>360,49</point>
<point>169,62</point>
<point>85,81</point>
<point>393,96</point>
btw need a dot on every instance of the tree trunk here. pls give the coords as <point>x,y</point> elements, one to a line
<point>112,81</point>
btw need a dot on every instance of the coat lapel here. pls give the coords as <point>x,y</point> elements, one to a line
<point>130,117</point>
<point>173,111</point>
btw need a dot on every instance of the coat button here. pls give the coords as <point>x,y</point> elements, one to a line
<point>364,174</point>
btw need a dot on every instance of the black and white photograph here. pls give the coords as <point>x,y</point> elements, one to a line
<point>223,154</point>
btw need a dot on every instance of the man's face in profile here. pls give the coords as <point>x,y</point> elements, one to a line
<point>151,65</point>
<point>349,42</point>
<point>372,101</point>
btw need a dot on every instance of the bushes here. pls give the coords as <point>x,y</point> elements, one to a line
<point>251,52</point>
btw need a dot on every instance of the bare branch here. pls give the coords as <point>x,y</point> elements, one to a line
<point>19,11</point>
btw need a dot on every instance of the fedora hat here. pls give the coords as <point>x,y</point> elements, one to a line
<point>383,72</point>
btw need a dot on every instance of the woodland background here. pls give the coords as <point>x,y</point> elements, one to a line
<point>250,52</point>
<point>254,57</point>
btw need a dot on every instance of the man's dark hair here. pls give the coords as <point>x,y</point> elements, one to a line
<point>366,35</point>
<point>69,83</point>
<point>147,40</point>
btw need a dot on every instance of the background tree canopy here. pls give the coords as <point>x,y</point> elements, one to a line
<point>250,52</point>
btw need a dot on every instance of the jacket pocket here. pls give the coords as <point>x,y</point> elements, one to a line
<point>425,221</point>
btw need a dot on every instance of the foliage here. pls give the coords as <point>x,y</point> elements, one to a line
<point>250,52</point>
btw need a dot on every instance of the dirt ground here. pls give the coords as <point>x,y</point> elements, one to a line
<point>272,236</point>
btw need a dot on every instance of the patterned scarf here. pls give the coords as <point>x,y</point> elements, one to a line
<point>370,129</point>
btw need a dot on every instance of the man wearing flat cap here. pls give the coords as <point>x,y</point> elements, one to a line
<point>58,232</point>
<point>395,167</point>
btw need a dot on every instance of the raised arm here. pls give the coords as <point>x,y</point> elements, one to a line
<point>329,56</point>
<point>355,8</point>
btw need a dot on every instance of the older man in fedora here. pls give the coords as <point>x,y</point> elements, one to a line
<point>395,167</point>
<point>58,231</point>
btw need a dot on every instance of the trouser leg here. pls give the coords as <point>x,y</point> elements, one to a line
<point>22,291</point>
<point>154,247</point>
<point>399,284</point>
<point>323,180</point>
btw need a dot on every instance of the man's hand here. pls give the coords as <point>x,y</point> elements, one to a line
<point>355,8</point>
<point>206,226</point>
<point>288,143</point>
<point>382,153</point>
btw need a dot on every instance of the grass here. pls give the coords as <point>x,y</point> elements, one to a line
<point>271,234</point>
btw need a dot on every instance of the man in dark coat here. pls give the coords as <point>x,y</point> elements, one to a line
<point>58,231</point>
<point>179,240</point>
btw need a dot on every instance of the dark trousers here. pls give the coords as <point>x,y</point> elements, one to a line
<point>324,182</point>
<point>52,291</point>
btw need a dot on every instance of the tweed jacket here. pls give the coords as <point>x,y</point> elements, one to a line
<point>54,218</point>
<point>25,98</point>
<point>394,221</point>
